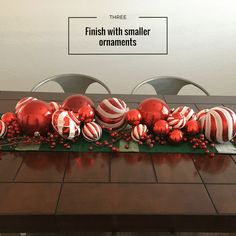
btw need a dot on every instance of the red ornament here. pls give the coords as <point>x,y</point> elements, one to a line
<point>66,124</point>
<point>161,127</point>
<point>92,131</point>
<point>86,113</point>
<point>133,117</point>
<point>111,112</point>
<point>176,120</point>
<point>193,127</point>
<point>23,101</point>
<point>8,118</point>
<point>3,129</point>
<point>176,136</point>
<point>139,132</point>
<point>218,124</point>
<point>34,116</point>
<point>54,106</point>
<point>152,110</point>
<point>75,102</point>
<point>187,112</point>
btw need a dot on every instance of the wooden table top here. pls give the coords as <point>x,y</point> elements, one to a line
<point>58,192</point>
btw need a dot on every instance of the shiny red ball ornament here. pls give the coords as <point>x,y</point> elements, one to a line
<point>86,113</point>
<point>133,117</point>
<point>75,102</point>
<point>8,117</point>
<point>176,136</point>
<point>34,116</point>
<point>152,110</point>
<point>193,127</point>
<point>161,127</point>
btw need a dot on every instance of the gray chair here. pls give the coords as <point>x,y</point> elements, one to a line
<point>72,83</point>
<point>168,85</point>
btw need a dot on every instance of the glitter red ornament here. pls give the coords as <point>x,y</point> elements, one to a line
<point>75,102</point>
<point>139,132</point>
<point>133,117</point>
<point>152,110</point>
<point>192,127</point>
<point>161,127</point>
<point>176,136</point>
<point>86,113</point>
<point>34,116</point>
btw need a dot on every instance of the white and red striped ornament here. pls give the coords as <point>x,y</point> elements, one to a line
<point>176,120</point>
<point>187,112</point>
<point>22,102</point>
<point>3,129</point>
<point>54,106</point>
<point>66,124</point>
<point>201,114</point>
<point>139,132</point>
<point>218,124</point>
<point>92,131</point>
<point>111,112</point>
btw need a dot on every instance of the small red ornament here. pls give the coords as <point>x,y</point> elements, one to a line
<point>139,132</point>
<point>133,117</point>
<point>161,127</point>
<point>176,136</point>
<point>75,102</point>
<point>8,118</point>
<point>66,124</point>
<point>86,113</point>
<point>176,120</point>
<point>54,106</point>
<point>111,112</point>
<point>92,131</point>
<point>34,116</point>
<point>187,112</point>
<point>152,110</point>
<point>3,129</point>
<point>193,127</point>
<point>23,101</point>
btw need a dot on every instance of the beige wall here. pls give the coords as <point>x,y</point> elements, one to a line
<point>202,48</point>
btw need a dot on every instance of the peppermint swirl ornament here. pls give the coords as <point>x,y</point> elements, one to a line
<point>187,112</point>
<point>24,101</point>
<point>139,132</point>
<point>176,120</point>
<point>219,124</point>
<point>111,112</point>
<point>66,124</point>
<point>92,131</point>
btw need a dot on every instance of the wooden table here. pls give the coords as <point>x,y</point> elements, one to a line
<point>59,192</point>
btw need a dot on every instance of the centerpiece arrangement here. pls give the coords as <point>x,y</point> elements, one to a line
<point>151,124</point>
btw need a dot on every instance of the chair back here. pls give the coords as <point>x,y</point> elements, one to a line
<point>168,85</point>
<point>72,83</point>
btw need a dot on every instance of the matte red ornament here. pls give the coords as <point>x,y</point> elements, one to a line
<point>34,116</point>
<point>161,127</point>
<point>152,110</point>
<point>8,117</point>
<point>193,127</point>
<point>86,113</point>
<point>75,102</point>
<point>176,136</point>
<point>133,117</point>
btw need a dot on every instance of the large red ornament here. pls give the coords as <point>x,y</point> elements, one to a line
<point>133,117</point>
<point>86,113</point>
<point>66,124</point>
<point>92,131</point>
<point>176,120</point>
<point>161,127</point>
<point>34,116</point>
<point>193,127</point>
<point>176,136</point>
<point>139,132</point>
<point>111,113</point>
<point>23,101</point>
<point>152,110</point>
<point>75,102</point>
<point>218,124</point>
<point>8,118</point>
